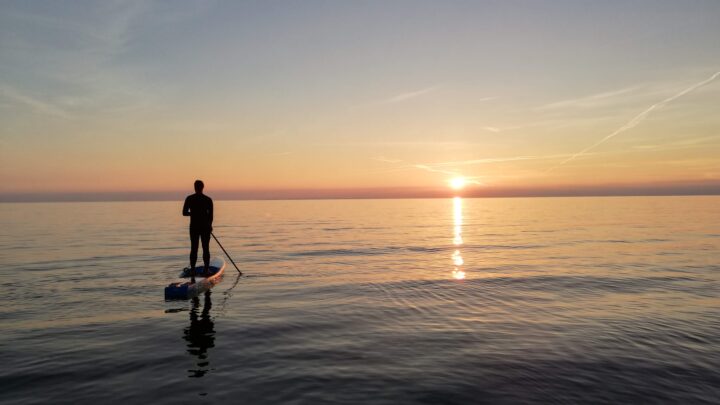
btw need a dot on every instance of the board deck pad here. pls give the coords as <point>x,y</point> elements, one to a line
<point>199,271</point>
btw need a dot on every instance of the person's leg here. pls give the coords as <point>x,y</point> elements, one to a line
<point>194,239</point>
<point>205,237</point>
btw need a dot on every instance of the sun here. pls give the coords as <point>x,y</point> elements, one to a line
<point>457,183</point>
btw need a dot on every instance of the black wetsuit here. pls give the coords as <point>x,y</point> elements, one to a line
<point>199,208</point>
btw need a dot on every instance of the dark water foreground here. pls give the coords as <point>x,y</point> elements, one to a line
<point>576,300</point>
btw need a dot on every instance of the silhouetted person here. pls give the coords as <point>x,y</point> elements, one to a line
<point>199,208</point>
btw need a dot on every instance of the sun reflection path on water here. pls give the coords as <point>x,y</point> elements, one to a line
<point>457,259</point>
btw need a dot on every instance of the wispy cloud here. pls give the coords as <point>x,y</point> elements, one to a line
<point>590,101</point>
<point>440,167</point>
<point>37,105</point>
<point>637,119</point>
<point>88,74</point>
<point>434,170</point>
<point>472,180</point>
<point>447,168</point>
<point>495,160</point>
<point>425,167</point>
<point>679,144</point>
<point>386,160</point>
<point>409,95</point>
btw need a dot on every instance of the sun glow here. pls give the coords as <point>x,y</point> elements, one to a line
<point>457,183</point>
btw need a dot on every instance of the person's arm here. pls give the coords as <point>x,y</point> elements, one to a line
<point>210,213</point>
<point>186,208</point>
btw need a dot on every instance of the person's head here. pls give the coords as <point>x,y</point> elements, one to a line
<point>199,186</point>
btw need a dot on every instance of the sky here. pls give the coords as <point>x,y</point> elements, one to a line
<point>273,99</point>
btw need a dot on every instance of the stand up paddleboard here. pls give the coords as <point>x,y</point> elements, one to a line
<point>203,282</point>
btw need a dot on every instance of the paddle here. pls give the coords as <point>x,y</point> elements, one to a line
<point>226,253</point>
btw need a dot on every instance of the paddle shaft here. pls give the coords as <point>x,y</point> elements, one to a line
<point>226,253</point>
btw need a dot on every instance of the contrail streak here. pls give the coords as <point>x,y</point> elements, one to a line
<point>637,119</point>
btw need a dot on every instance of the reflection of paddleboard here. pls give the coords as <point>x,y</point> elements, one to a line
<point>185,290</point>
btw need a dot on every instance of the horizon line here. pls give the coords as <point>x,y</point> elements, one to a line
<point>607,190</point>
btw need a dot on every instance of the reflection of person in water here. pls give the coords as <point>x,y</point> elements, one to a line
<point>200,335</point>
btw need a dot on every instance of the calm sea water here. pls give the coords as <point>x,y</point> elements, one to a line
<point>569,300</point>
